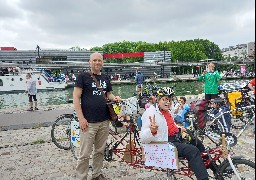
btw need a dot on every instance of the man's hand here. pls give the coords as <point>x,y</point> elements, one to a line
<point>83,124</point>
<point>153,125</point>
<point>204,72</point>
<point>117,99</point>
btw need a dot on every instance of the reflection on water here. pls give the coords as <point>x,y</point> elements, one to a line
<point>20,100</point>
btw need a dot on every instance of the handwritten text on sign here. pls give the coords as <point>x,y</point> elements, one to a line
<point>75,137</point>
<point>161,155</point>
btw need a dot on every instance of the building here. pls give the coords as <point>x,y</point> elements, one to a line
<point>251,49</point>
<point>45,56</point>
<point>158,56</point>
<point>240,51</point>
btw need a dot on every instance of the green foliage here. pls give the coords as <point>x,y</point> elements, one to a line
<point>39,141</point>
<point>185,51</point>
<point>37,126</point>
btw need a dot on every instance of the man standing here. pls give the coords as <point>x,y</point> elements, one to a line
<point>139,78</point>
<point>211,83</point>
<point>93,117</point>
<point>31,90</point>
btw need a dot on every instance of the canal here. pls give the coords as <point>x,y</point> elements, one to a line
<point>45,98</point>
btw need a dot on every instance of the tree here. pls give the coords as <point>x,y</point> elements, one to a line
<point>186,51</point>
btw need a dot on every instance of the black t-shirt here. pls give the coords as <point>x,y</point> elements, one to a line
<point>92,102</point>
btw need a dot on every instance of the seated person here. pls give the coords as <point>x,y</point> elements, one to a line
<point>218,107</point>
<point>158,125</point>
<point>151,101</point>
<point>180,110</point>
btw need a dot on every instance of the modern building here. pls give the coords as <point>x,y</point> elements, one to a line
<point>45,56</point>
<point>158,56</point>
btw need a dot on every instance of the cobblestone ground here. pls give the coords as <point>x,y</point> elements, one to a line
<point>30,154</point>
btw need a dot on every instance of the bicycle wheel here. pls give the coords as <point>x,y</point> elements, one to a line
<point>75,151</point>
<point>60,132</point>
<point>215,131</point>
<point>245,168</point>
<point>238,123</point>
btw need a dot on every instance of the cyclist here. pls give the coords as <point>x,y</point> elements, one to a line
<point>158,125</point>
<point>93,115</point>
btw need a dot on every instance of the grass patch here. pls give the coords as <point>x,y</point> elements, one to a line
<point>39,141</point>
<point>37,126</point>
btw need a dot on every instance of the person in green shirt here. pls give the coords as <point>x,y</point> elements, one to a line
<point>210,80</point>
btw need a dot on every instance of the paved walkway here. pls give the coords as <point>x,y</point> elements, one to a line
<point>24,119</point>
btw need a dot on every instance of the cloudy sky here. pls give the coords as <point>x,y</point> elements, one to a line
<point>62,24</point>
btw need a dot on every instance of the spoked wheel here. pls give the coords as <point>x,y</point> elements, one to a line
<point>239,123</point>
<point>75,151</point>
<point>215,131</point>
<point>60,132</point>
<point>245,169</point>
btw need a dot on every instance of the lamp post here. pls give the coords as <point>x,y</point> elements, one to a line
<point>162,68</point>
<point>106,51</point>
<point>38,48</point>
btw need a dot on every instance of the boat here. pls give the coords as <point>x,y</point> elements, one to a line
<point>17,81</point>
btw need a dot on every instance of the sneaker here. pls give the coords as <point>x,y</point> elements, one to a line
<point>30,109</point>
<point>36,108</point>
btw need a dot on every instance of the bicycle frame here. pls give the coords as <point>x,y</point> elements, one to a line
<point>224,127</point>
<point>248,122</point>
<point>130,147</point>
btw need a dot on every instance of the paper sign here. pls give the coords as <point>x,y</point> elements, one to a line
<point>75,129</point>
<point>161,155</point>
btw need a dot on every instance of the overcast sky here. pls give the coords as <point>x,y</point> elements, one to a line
<point>62,24</point>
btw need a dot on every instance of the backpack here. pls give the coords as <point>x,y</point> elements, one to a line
<point>200,109</point>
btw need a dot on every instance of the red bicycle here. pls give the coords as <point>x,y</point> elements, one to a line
<point>127,147</point>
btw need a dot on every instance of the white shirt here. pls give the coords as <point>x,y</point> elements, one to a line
<point>31,86</point>
<point>180,110</point>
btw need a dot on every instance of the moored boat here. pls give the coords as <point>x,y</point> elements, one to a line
<point>17,81</point>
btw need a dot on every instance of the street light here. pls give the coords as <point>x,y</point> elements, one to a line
<point>164,48</point>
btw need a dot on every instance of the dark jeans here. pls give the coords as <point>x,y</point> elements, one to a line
<point>192,154</point>
<point>211,96</point>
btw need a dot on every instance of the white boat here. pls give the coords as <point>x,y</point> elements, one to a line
<point>17,82</point>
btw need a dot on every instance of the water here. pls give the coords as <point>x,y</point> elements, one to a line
<point>45,98</point>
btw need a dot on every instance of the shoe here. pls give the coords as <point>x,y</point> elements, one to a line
<point>30,109</point>
<point>36,108</point>
<point>100,177</point>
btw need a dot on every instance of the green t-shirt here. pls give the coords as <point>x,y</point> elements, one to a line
<point>210,82</point>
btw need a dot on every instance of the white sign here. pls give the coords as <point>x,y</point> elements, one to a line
<point>161,155</point>
<point>75,137</point>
